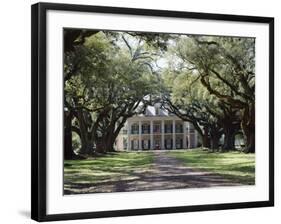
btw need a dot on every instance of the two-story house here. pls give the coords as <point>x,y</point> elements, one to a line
<point>156,129</point>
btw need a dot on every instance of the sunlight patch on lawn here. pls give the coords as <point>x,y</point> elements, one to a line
<point>236,166</point>
<point>108,168</point>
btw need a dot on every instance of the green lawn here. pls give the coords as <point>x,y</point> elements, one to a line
<point>107,168</point>
<point>238,167</point>
<point>104,173</point>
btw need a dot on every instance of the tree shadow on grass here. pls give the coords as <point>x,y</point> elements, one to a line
<point>166,173</point>
<point>144,182</point>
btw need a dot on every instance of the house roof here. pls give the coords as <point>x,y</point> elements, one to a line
<point>156,110</point>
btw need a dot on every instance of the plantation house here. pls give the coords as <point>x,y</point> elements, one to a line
<point>156,129</point>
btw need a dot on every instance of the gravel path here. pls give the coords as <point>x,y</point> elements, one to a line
<point>166,173</point>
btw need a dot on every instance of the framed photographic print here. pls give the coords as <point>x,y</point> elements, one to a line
<point>139,111</point>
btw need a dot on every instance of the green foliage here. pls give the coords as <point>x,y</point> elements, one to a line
<point>188,98</point>
<point>226,64</point>
<point>210,81</point>
<point>112,76</point>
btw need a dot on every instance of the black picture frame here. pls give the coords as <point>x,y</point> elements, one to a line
<point>39,122</point>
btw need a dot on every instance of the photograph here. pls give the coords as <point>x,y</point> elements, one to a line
<point>140,111</point>
<point>135,112</point>
<point>149,111</point>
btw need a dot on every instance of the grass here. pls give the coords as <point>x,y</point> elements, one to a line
<point>236,166</point>
<point>102,174</point>
<point>107,168</point>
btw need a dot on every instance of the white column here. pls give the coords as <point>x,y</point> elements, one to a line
<point>174,134</point>
<point>188,133</point>
<point>140,146</point>
<point>128,135</point>
<point>184,135</point>
<point>162,135</point>
<point>151,134</point>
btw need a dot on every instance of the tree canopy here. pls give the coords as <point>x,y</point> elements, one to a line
<point>225,67</point>
<point>111,76</point>
<point>114,79</point>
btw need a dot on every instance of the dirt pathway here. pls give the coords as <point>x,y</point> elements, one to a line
<point>166,173</point>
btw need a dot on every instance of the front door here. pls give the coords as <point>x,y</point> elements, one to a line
<point>145,144</point>
<point>157,144</point>
<point>135,144</point>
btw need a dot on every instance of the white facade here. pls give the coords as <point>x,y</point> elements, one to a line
<point>156,129</point>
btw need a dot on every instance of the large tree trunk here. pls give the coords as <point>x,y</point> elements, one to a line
<point>105,146</point>
<point>249,136</point>
<point>111,139</point>
<point>250,146</point>
<point>215,143</point>
<point>102,145</point>
<point>110,145</point>
<point>215,137</point>
<point>248,128</point>
<point>205,138</point>
<point>87,138</point>
<point>87,142</point>
<point>229,138</point>
<point>106,143</point>
<point>87,147</point>
<point>68,151</point>
<point>74,38</point>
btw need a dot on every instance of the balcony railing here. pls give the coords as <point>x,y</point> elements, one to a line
<point>158,130</point>
<point>134,132</point>
<point>146,131</point>
<point>169,131</point>
<point>179,130</point>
